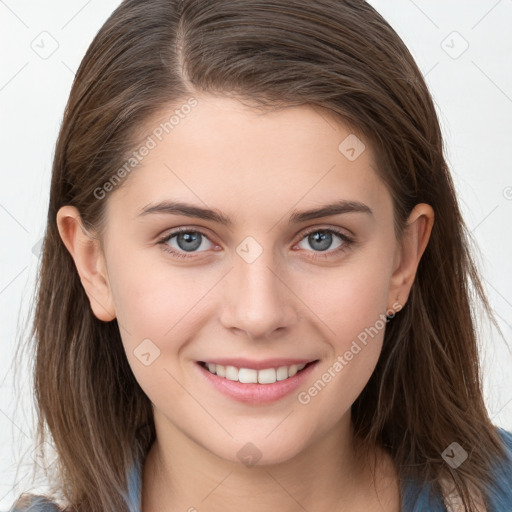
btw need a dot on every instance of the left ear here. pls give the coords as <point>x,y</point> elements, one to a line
<point>407,257</point>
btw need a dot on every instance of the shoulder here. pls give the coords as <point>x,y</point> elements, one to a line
<point>503,467</point>
<point>507,439</point>
<point>418,496</point>
<point>500,495</point>
<point>35,503</point>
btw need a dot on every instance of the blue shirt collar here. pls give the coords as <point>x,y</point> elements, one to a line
<point>416,497</point>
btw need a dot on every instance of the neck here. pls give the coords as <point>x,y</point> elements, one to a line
<point>179,474</point>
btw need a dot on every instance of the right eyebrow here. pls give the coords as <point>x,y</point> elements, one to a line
<point>188,210</point>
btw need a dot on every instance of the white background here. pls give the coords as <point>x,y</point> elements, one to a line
<point>473,94</point>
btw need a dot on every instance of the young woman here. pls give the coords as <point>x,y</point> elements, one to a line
<point>255,284</point>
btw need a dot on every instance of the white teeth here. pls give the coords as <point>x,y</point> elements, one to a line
<point>251,376</point>
<point>282,373</point>
<point>267,376</point>
<point>248,376</point>
<point>231,373</point>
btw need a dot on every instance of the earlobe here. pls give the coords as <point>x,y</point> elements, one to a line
<point>413,244</point>
<point>89,261</point>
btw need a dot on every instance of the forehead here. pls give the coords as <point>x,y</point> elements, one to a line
<point>224,153</point>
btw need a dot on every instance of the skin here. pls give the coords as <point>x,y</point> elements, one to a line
<point>286,303</point>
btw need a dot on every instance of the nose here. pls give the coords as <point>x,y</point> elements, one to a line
<point>258,301</point>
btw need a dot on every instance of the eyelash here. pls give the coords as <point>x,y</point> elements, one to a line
<point>347,242</point>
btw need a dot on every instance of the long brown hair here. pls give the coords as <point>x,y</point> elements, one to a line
<point>343,56</point>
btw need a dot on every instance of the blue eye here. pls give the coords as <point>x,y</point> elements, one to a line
<point>322,239</point>
<point>188,242</point>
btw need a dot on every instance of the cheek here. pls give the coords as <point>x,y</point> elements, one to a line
<point>351,302</point>
<point>151,297</point>
<point>350,298</point>
<point>158,308</point>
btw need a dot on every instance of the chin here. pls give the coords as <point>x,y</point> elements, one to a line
<point>260,450</point>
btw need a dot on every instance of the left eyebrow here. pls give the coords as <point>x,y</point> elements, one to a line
<point>327,210</point>
<point>190,210</point>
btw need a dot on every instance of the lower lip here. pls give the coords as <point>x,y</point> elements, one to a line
<point>257,393</point>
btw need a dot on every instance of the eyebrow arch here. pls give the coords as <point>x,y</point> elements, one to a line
<point>330,209</point>
<point>190,210</point>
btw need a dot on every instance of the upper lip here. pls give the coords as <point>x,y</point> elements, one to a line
<point>258,365</point>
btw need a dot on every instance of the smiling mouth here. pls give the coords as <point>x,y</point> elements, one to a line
<point>252,376</point>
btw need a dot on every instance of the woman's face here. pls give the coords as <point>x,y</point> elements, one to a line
<point>274,287</point>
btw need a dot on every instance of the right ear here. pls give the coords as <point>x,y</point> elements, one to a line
<point>89,261</point>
